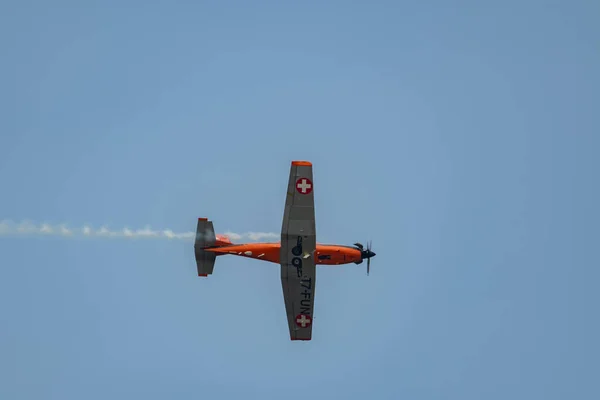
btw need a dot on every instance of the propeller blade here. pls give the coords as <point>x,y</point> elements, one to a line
<point>369,243</point>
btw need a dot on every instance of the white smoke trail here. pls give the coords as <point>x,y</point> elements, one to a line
<point>27,228</point>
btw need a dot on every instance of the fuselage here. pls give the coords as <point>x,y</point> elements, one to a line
<point>326,254</point>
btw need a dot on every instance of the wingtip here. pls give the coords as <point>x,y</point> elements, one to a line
<point>302,163</point>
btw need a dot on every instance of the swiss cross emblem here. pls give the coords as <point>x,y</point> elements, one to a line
<point>303,320</point>
<point>304,185</point>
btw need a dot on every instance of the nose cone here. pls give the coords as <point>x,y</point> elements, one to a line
<point>368,254</point>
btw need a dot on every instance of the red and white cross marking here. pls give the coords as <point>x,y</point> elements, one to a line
<point>303,320</point>
<point>304,186</point>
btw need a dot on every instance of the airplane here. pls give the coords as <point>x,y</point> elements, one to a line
<point>298,252</point>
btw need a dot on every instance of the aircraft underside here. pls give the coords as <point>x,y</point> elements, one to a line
<point>325,254</point>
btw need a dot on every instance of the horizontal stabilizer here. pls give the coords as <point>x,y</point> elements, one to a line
<point>205,238</point>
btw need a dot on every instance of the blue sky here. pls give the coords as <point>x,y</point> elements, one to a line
<point>461,138</point>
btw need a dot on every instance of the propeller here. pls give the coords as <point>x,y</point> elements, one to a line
<point>368,253</point>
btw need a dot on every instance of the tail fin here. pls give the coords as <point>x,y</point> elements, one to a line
<point>205,237</point>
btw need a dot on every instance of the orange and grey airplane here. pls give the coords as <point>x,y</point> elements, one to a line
<point>298,252</point>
